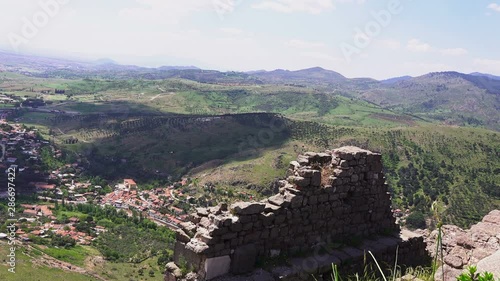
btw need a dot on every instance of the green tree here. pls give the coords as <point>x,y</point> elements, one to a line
<point>416,220</point>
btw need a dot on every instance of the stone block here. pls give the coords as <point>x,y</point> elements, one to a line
<point>217,231</point>
<point>278,200</point>
<point>245,219</point>
<point>183,252</point>
<point>271,208</point>
<point>265,234</point>
<point>188,227</point>
<point>247,226</point>
<point>334,181</point>
<point>300,181</point>
<point>280,219</point>
<point>252,237</point>
<point>217,266</point>
<point>203,212</point>
<point>303,160</point>
<point>267,219</point>
<point>354,178</point>
<point>306,173</point>
<point>205,222</point>
<point>323,198</point>
<point>236,227</point>
<point>296,202</point>
<point>316,178</point>
<point>173,272</point>
<point>248,208</point>
<point>243,259</point>
<point>274,232</point>
<point>324,158</point>
<point>180,235</point>
<point>229,236</point>
<point>294,165</point>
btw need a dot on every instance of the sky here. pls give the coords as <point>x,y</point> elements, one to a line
<point>358,38</point>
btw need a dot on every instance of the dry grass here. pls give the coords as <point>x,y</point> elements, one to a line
<point>326,172</point>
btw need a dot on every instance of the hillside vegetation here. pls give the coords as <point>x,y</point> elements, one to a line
<point>237,131</point>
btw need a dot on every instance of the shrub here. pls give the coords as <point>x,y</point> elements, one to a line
<point>472,275</point>
<point>63,241</point>
<point>416,220</point>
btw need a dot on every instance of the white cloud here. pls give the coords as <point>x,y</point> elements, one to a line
<point>494,6</point>
<point>454,52</point>
<point>416,45</point>
<point>488,65</point>
<point>301,44</point>
<point>389,44</point>
<point>351,1</point>
<point>231,30</point>
<point>165,11</point>
<point>320,56</point>
<point>291,6</point>
<point>417,68</point>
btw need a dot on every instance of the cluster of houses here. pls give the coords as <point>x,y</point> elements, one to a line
<point>5,99</point>
<point>126,196</point>
<point>18,147</point>
<point>21,149</point>
<point>38,211</point>
<point>33,215</point>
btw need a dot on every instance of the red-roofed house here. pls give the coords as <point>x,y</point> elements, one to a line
<point>130,183</point>
<point>74,220</point>
<point>30,212</point>
<point>45,211</point>
<point>44,186</point>
<point>176,210</point>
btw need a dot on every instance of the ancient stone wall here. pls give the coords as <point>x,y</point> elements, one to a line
<point>331,196</point>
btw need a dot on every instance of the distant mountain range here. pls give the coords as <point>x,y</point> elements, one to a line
<point>315,74</point>
<point>26,62</point>
<point>395,79</point>
<point>448,95</point>
<point>485,75</point>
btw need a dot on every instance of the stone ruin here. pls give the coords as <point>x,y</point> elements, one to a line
<point>329,197</point>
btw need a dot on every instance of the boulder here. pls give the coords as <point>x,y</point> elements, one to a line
<point>454,261</point>
<point>174,270</point>
<point>490,264</point>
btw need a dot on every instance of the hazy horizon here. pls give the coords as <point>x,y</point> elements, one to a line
<point>357,38</point>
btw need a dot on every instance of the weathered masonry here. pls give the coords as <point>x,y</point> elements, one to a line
<point>326,197</point>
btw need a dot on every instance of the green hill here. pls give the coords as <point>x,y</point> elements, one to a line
<point>222,133</point>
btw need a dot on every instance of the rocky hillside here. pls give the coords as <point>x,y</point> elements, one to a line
<point>479,245</point>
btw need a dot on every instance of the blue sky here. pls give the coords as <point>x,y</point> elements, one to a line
<point>358,38</point>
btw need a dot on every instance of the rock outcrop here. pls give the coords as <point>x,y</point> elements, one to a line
<point>327,198</point>
<point>480,245</point>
